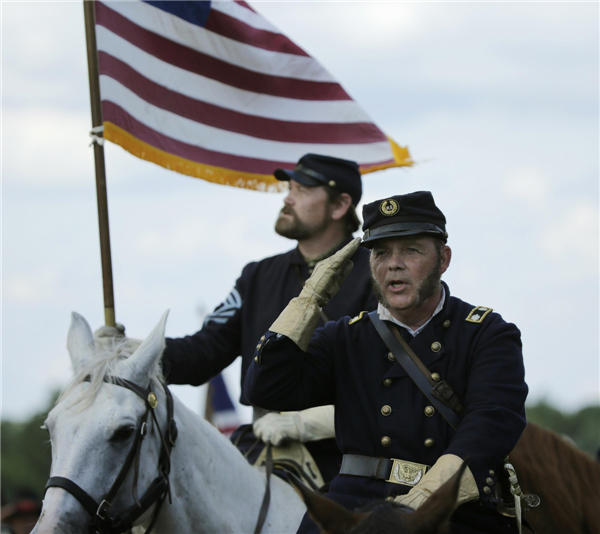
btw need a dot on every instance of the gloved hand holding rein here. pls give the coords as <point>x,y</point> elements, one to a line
<point>105,336</point>
<point>442,471</point>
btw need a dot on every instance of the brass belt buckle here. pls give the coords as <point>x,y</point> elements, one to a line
<point>407,473</point>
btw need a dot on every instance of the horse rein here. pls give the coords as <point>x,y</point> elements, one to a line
<point>102,522</point>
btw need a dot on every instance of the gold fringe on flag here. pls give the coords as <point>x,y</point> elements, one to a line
<point>217,175</point>
<point>221,175</point>
<point>401,159</point>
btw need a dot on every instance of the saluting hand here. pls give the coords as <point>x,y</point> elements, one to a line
<point>299,319</point>
<point>328,275</point>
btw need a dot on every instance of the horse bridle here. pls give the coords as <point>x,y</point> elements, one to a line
<point>102,522</point>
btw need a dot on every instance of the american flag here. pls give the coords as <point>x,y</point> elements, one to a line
<point>220,410</point>
<point>214,90</point>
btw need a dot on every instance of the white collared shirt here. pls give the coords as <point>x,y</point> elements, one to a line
<point>385,315</point>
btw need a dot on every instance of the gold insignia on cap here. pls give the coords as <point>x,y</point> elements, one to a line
<point>332,183</point>
<point>389,207</point>
<point>478,314</point>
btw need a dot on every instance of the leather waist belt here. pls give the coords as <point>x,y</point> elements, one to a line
<point>388,469</point>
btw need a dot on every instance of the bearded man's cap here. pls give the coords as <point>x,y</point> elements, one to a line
<point>312,170</point>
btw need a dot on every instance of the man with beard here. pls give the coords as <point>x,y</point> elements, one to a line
<point>319,213</point>
<point>396,437</point>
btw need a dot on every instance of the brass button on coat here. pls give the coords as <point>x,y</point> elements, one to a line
<point>391,357</point>
<point>389,499</point>
<point>386,441</point>
<point>429,411</point>
<point>492,472</point>
<point>436,377</point>
<point>446,323</point>
<point>386,410</point>
<point>262,338</point>
<point>429,443</point>
<point>487,490</point>
<point>387,382</point>
<point>436,346</point>
<point>489,480</point>
<point>258,346</point>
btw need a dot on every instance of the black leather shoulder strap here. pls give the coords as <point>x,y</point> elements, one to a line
<point>413,370</point>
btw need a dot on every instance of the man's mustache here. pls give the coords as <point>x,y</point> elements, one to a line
<point>288,211</point>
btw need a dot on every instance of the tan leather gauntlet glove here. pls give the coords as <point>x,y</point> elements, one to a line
<point>441,472</point>
<point>299,319</point>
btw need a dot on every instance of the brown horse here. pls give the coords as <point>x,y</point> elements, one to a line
<point>386,517</point>
<point>566,480</point>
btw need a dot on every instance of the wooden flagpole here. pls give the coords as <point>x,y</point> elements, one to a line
<point>93,72</point>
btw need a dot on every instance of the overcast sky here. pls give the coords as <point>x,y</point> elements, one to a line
<point>497,102</point>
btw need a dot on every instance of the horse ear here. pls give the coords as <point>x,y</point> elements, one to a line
<point>329,515</point>
<point>433,516</point>
<point>79,341</point>
<point>148,354</point>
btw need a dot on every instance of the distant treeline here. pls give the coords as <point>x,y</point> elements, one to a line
<point>583,426</point>
<point>26,448</point>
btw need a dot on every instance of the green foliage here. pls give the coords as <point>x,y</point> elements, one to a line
<point>26,454</point>
<point>583,426</point>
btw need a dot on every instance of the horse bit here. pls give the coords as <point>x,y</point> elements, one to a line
<point>102,522</point>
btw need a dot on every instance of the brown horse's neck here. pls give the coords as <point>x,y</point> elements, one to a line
<point>566,479</point>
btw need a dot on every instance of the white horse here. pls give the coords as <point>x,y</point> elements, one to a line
<point>92,430</point>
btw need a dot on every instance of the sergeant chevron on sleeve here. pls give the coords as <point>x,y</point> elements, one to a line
<point>397,442</point>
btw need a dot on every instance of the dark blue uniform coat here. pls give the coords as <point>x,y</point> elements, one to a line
<point>348,365</point>
<point>234,328</point>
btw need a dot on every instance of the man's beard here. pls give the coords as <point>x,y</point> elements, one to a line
<point>425,288</point>
<point>296,229</point>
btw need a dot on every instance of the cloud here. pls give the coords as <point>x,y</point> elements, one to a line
<point>46,146</point>
<point>528,185</point>
<point>481,50</point>
<point>46,41</point>
<point>572,240</point>
<point>32,287</point>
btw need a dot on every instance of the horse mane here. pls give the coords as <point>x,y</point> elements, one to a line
<point>566,479</point>
<point>104,359</point>
<point>384,518</point>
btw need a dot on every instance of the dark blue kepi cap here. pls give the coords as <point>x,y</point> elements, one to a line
<point>312,170</point>
<point>403,215</point>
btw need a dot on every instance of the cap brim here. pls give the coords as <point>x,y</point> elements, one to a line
<point>370,241</point>
<point>283,175</point>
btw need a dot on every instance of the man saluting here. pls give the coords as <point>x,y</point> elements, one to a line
<point>395,441</point>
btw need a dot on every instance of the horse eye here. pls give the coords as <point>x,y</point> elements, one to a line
<point>123,433</point>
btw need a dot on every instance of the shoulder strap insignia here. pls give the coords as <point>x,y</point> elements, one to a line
<point>478,314</point>
<point>357,318</point>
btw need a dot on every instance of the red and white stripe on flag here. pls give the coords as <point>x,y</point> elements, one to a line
<point>220,410</point>
<point>214,90</point>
